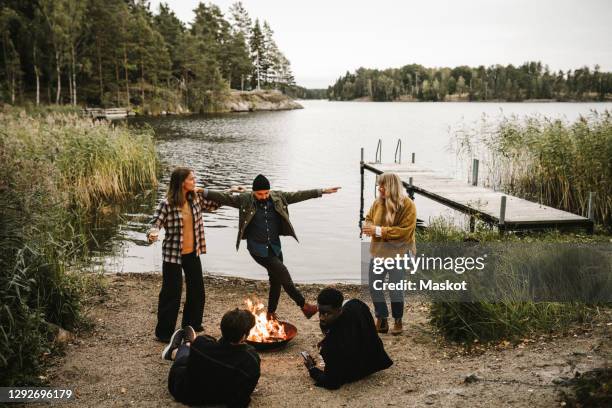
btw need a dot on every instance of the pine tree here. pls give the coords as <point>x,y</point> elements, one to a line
<point>56,17</point>
<point>242,66</point>
<point>12,61</point>
<point>149,51</point>
<point>256,44</point>
<point>240,20</point>
<point>172,30</point>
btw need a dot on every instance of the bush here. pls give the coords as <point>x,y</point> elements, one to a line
<point>490,321</point>
<point>55,167</point>
<point>485,321</point>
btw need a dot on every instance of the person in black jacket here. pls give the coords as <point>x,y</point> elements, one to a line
<point>351,348</point>
<point>206,371</point>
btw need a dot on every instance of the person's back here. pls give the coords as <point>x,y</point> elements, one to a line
<point>219,373</point>
<point>353,343</point>
<point>206,371</point>
<point>351,348</point>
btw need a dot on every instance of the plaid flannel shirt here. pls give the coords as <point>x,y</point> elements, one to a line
<point>171,219</point>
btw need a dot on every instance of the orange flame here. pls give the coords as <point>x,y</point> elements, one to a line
<point>264,331</point>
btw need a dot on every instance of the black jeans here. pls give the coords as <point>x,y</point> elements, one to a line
<point>279,276</point>
<point>178,372</point>
<point>170,295</point>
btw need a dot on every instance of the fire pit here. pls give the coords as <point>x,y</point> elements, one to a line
<point>268,334</point>
<point>275,343</point>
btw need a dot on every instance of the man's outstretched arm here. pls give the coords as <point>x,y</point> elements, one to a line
<point>297,196</point>
<point>223,198</point>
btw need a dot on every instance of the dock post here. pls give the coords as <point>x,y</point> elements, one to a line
<point>591,213</point>
<point>409,190</point>
<point>475,172</point>
<point>502,215</point>
<point>361,171</point>
<point>472,223</point>
<point>413,154</point>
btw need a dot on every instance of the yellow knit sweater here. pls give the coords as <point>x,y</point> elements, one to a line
<point>397,238</point>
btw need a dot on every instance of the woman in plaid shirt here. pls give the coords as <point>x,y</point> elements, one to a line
<point>181,215</point>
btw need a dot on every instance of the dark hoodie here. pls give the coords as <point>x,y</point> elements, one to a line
<point>215,373</point>
<point>351,349</point>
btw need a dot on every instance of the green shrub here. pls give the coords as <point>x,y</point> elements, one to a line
<point>490,321</point>
<point>486,321</point>
<point>55,168</point>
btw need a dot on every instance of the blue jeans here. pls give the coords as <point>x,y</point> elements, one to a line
<point>393,275</point>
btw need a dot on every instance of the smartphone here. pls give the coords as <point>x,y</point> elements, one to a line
<point>305,356</point>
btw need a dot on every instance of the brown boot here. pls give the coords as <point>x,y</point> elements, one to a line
<point>382,326</point>
<point>397,327</point>
<point>309,310</point>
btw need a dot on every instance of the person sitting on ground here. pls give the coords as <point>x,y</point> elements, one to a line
<point>351,348</point>
<point>206,371</point>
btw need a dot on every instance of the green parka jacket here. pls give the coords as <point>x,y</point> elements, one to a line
<point>245,203</point>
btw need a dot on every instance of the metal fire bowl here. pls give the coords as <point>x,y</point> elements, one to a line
<point>290,331</point>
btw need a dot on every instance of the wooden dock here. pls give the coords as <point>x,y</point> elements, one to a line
<point>109,113</point>
<point>494,207</point>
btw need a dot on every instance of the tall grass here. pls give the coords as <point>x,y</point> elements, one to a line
<point>56,167</point>
<point>489,321</point>
<point>554,162</point>
<point>93,160</point>
<point>507,318</point>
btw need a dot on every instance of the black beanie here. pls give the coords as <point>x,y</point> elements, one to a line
<point>261,183</point>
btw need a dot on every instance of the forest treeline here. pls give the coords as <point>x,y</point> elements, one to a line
<point>121,53</point>
<point>529,81</point>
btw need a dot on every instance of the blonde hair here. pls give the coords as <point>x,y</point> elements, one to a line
<point>394,194</point>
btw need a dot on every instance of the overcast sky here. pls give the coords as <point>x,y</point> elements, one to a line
<point>324,39</point>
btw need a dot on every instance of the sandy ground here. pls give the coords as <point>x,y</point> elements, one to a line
<point>119,363</point>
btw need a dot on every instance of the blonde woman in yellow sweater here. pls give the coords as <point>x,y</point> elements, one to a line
<point>391,222</point>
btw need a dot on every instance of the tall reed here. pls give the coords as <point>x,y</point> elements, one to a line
<point>551,161</point>
<point>56,168</point>
<point>94,160</point>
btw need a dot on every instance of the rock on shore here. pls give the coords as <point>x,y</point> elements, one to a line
<point>249,101</point>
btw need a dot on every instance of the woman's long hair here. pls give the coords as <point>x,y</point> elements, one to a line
<point>394,193</point>
<point>175,188</point>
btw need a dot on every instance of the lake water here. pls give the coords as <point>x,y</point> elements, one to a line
<point>318,146</point>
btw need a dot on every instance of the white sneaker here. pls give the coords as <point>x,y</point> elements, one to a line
<point>175,342</point>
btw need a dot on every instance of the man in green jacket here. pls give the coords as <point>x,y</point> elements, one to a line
<point>263,218</point>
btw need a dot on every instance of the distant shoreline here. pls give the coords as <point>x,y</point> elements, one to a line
<point>366,99</point>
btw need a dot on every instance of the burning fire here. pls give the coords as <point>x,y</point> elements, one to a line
<point>264,331</point>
